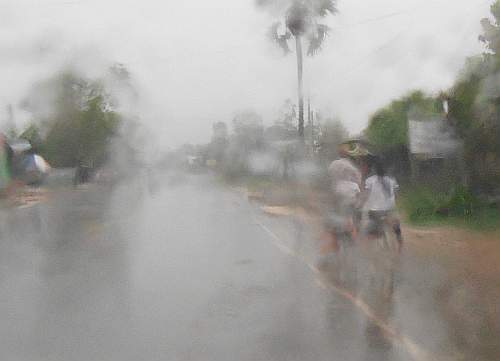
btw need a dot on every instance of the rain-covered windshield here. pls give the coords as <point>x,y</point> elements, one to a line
<point>249,180</point>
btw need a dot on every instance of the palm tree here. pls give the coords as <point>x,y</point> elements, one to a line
<point>301,23</point>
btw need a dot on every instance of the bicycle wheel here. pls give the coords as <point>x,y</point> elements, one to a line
<point>388,241</point>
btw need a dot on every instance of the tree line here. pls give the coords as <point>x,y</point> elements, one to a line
<point>75,118</point>
<point>473,103</point>
<point>248,147</point>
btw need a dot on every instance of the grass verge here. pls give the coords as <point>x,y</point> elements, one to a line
<point>458,207</point>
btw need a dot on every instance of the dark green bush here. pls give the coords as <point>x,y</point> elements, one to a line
<point>462,203</point>
<point>423,204</point>
<point>420,204</point>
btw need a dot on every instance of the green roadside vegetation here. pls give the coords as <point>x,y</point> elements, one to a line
<point>458,207</point>
<point>258,183</point>
<point>74,118</point>
<point>473,109</point>
<point>271,162</point>
<point>253,183</point>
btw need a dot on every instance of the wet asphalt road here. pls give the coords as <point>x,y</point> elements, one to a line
<point>192,271</point>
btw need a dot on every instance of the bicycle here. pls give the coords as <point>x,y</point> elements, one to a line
<point>338,253</point>
<point>383,229</point>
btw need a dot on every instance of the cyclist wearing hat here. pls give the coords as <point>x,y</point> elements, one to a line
<point>347,177</point>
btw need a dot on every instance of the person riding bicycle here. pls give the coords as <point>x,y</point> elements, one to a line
<point>347,177</point>
<point>380,196</point>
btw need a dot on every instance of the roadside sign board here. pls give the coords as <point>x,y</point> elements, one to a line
<point>432,138</point>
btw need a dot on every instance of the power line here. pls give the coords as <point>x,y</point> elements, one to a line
<point>372,20</point>
<point>375,50</point>
<point>402,12</point>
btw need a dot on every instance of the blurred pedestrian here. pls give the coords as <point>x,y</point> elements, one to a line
<point>5,165</point>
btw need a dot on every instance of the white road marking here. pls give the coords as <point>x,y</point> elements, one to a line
<point>416,352</point>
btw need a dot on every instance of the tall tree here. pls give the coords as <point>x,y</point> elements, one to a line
<point>219,142</point>
<point>76,118</point>
<point>301,23</point>
<point>333,133</point>
<point>491,31</point>
<point>248,129</point>
<point>388,127</point>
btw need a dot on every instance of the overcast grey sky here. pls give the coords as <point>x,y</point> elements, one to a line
<point>196,62</point>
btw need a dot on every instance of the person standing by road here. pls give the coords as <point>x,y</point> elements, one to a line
<point>5,165</point>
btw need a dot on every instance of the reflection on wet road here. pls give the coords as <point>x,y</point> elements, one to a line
<point>194,272</point>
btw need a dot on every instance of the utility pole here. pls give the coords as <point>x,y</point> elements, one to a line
<point>312,132</point>
<point>308,112</point>
<point>11,123</point>
<point>298,42</point>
